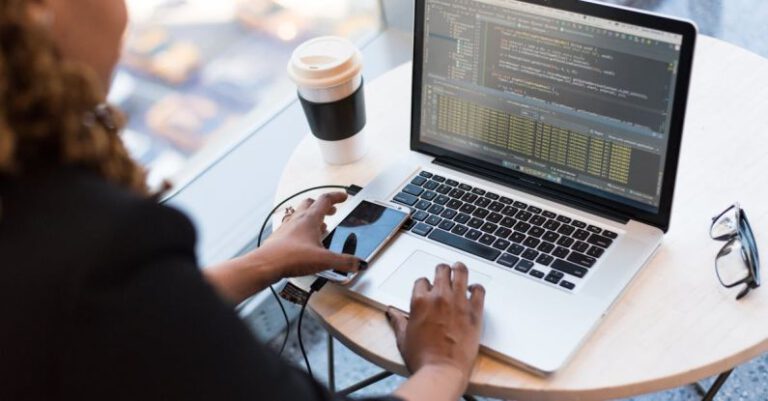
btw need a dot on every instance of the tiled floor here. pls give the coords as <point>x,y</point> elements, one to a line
<point>742,22</point>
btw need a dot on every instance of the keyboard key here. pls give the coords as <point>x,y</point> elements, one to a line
<point>439,178</point>
<point>474,235</point>
<point>566,229</point>
<point>442,199</point>
<point>460,230</point>
<point>426,174</point>
<point>465,187</point>
<point>510,211</point>
<point>508,222</point>
<point>456,193</point>
<point>467,208</point>
<point>567,285</point>
<point>520,205</point>
<point>423,205</point>
<point>489,228</point>
<point>494,217</point>
<point>516,249</point>
<point>595,229</point>
<point>421,229</point>
<point>469,198</point>
<point>496,207</point>
<point>480,213</point>
<point>600,241</point>
<point>433,220</point>
<point>537,273</point>
<point>548,214</point>
<point>508,260</point>
<point>501,244</point>
<point>546,247</point>
<point>534,209</point>
<point>462,218</point>
<point>492,196</point>
<point>448,214</point>
<point>561,252</point>
<point>454,204</point>
<point>406,199</point>
<point>420,215</point>
<point>538,220</point>
<point>444,189</point>
<point>550,236</point>
<point>579,224</point>
<point>524,266</point>
<point>431,185</point>
<point>436,209</point>
<point>531,242</point>
<point>566,241</point>
<point>452,183</point>
<point>581,235</point>
<point>536,232</point>
<point>595,252</point>
<point>465,245</point>
<point>581,259</point>
<point>580,246</point>
<point>428,195</point>
<point>505,200</point>
<point>503,232</point>
<point>610,234</point>
<point>475,222</point>
<point>478,191</point>
<point>517,237</point>
<point>530,254</point>
<point>413,190</point>
<point>523,215</point>
<point>551,225</point>
<point>446,225</point>
<point>554,276</point>
<point>487,239</point>
<point>544,259</point>
<point>418,181</point>
<point>564,219</point>
<point>569,268</point>
<point>522,227</point>
<point>483,202</point>
<point>408,224</point>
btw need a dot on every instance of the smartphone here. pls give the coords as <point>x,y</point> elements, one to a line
<point>363,233</point>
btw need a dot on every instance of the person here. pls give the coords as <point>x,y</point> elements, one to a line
<point>101,296</point>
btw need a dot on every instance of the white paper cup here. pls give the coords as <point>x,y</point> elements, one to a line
<point>328,73</point>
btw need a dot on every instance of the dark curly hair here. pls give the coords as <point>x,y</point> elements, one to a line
<point>47,107</point>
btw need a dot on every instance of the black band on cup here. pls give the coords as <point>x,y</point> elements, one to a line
<point>337,120</point>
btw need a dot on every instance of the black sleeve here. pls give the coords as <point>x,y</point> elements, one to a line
<point>159,332</point>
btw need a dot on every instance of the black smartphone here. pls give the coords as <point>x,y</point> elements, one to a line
<point>363,233</point>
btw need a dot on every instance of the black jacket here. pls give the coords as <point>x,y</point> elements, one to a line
<point>101,299</point>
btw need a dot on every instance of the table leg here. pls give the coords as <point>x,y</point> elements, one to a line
<point>365,383</point>
<point>331,365</point>
<point>709,395</point>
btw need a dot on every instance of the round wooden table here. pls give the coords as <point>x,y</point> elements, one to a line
<point>675,324</point>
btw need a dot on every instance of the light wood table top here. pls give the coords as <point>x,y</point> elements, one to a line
<point>675,324</point>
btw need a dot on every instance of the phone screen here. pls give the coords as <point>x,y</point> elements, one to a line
<point>364,230</point>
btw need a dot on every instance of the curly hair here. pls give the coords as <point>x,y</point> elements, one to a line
<point>45,102</point>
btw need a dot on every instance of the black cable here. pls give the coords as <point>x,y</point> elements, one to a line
<point>316,286</point>
<point>352,190</point>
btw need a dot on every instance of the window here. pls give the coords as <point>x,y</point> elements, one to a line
<point>198,75</point>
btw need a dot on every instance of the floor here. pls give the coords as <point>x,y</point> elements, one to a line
<point>741,22</point>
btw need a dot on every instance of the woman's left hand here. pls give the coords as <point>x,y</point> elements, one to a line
<point>296,247</point>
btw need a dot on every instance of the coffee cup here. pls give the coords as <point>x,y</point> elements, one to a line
<point>328,73</point>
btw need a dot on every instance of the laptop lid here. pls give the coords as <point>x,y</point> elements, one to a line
<point>575,100</point>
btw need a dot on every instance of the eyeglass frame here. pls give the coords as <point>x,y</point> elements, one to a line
<point>742,232</point>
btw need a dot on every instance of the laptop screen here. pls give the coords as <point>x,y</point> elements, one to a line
<point>573,99</point>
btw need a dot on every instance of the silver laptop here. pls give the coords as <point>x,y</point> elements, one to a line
<point>545,139</point>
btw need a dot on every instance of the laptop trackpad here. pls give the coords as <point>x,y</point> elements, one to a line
<point>399,284</point>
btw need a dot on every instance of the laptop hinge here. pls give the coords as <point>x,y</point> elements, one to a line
<point>530,187</point>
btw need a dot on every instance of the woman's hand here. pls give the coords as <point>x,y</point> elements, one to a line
<point>296,249</point>
<point>443,330</point>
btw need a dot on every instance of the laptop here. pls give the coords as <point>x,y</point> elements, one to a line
<point>545,138</point>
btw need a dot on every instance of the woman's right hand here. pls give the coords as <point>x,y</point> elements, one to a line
<point>444,326</point>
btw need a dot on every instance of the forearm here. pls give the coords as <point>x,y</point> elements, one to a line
<point>435,383</point>
<point>239,278</point>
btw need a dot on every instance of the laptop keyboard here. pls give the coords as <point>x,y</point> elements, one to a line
<point>541,244</point>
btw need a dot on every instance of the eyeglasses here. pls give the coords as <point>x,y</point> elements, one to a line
<point>737,263</point>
